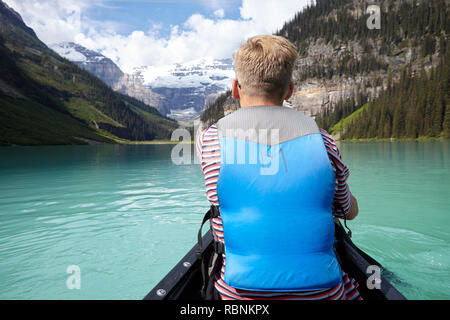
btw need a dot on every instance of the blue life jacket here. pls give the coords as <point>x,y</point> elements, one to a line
<point>275,189</point>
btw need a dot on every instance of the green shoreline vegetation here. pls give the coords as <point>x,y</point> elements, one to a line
<point>419,139</point>
<point>129,142</point>
<point>94,142</point>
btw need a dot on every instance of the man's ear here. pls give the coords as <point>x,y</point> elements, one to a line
<point>235,90</point>
<point>290,91</point>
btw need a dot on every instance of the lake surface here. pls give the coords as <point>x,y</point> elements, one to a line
<point>124,215</point>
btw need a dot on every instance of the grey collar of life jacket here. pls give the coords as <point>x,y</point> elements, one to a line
<point>256,124</point>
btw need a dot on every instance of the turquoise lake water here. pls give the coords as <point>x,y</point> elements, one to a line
<point>126,214</point>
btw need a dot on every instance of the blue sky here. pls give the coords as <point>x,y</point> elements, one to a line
<point>156,32</point>
<point>140,15</point>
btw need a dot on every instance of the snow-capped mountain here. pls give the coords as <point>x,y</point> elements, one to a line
<point>105,69</point>
<point>180,91</point>
<point>188,87</point>
<point>92,61</point>
<point>194,74</point>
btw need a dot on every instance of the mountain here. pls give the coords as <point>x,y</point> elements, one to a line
<point>46,99</point>
<point>188,87</point>
<point>105,69</point>
<point>94,62</point>
<point>344,67</point>
<point>399,72</point>
<point>412,107</point>
<point>180,91</point>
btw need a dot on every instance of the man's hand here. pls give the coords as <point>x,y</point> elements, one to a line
<point>353,210</point>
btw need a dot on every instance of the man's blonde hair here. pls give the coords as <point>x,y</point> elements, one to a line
<point>264,65</point>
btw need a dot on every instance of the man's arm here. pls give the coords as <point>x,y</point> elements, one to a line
<point>346,205</point>
<point>353,210</point>
<point>199,142</point>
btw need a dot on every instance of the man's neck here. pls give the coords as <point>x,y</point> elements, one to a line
<point>250,102</point>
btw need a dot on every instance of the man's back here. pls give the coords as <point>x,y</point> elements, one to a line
<point>275,190</point>
<point>243,124</point>
<point>275,178</point>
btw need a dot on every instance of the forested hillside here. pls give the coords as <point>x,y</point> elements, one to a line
<point>355,80</point>
<point>413,107</point>
<point>404,108</point>
<point>422,26</point>
<point>45,99</point>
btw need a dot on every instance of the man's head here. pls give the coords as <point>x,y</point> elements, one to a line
<point>263,66</point>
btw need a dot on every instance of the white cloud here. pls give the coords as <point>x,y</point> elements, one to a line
<point>198,37</point>
<point>52,20</point>
<point>219,13</point>
<point>216,4</point>
<point>271,15</point>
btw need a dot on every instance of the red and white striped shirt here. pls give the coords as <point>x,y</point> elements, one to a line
<point>208,150</point>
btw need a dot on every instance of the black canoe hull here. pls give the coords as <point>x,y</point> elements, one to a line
<point>184,281</point>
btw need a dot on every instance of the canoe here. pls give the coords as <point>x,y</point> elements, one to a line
<point>184,281</point>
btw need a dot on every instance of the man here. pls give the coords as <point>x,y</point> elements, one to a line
<point>278,182</point>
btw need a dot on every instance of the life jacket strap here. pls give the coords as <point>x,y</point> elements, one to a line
<point>337,205</point>
<point>219,247</point>
<point>210,269</point>
<point>213,212</point>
